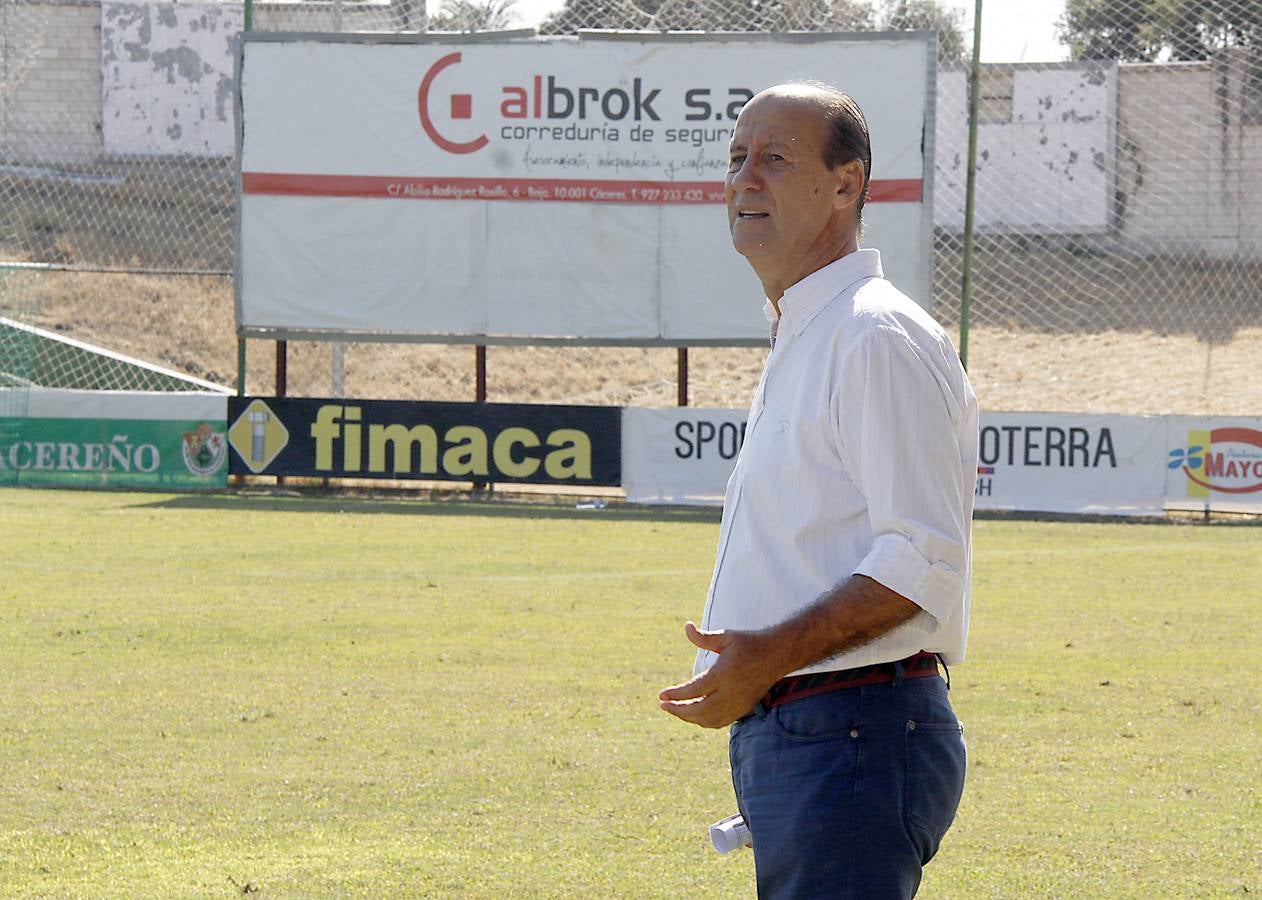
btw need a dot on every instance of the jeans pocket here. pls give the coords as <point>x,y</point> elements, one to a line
<point>823,718</point>
<point>936,759</point>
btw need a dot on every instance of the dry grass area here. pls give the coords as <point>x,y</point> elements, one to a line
<point>1115,371</point>
<point>1070,323</point>
<point>186,323</point>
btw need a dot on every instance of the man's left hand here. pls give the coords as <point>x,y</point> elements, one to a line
<point>728,689</point>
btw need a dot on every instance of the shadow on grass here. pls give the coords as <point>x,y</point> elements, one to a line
<point>499,507</point>
<point>1184,518</point>
<point>550,507</point>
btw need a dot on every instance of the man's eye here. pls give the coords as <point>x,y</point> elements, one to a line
<point>775,157</point>
<point>736,161</point>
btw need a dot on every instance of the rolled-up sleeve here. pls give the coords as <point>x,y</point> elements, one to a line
<point>901,421</point>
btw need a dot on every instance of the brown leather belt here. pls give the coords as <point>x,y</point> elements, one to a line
<point>796,687</point>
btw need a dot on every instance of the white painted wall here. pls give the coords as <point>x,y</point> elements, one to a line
<point>167,73</point>
<point>1043,151</point>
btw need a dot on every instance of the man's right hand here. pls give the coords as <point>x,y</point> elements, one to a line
<point>728,689</point>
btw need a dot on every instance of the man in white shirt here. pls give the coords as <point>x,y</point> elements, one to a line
<point>844,559</point>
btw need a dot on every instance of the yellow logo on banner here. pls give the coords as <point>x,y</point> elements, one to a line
<point>258,436</point>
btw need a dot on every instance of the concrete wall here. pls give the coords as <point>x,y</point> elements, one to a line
<point>52,64</point>
<point>50,85</point>
<point>1044,125</point>
<point>1189,165</point>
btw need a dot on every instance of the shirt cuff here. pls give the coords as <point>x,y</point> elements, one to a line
<point>898,565</point>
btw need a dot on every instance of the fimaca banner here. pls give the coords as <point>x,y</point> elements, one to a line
<point>402,440</point>
<point>1214,463</point>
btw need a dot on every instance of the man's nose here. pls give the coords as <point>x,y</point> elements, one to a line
<point>744,178</point>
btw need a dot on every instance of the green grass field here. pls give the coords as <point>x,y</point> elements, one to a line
<point>205,695</point>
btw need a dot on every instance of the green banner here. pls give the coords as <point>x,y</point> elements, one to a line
<point>123,453</point>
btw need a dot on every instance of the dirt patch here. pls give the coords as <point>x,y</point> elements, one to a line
<point>1067,323</point>
<point>123,214</point>
<point>186,323</point>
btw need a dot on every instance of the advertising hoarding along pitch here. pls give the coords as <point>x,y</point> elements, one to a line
<point>1214,463</point>
<point>540,189</point>
<point>1047,462</point>
<point>113,439</point>
<point>497,442</point>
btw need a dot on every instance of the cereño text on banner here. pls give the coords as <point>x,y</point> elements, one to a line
<point>1048,462</point>
<point>119,439</point>
<point>1214,464</point>
<point>555,189</point>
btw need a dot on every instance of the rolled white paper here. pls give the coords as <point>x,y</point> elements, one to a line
<point>730,834</point>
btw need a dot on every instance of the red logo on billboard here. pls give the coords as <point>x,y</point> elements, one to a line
<point>1232,461</point>
<point>461,108</point>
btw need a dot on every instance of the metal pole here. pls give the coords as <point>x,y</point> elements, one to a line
<point>282,379</point>
<point>681,363</point>
<point>479,358</point>
<point>246,23</point>
<point>282,368</point>
<point>975,78</point>
<point>479,395</point>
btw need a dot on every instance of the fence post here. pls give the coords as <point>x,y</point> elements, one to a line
<point>282,368</point>
<point>479,381</point>
<point>681,362</point>
<point>974,108</point>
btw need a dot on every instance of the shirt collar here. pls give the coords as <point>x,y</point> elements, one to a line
<point>803,301</point>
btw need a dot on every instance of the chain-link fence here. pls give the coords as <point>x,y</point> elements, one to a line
<point>1118,258</point>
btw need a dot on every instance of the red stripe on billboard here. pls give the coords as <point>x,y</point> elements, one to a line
<point>896,190</point>
<point>909,190</point>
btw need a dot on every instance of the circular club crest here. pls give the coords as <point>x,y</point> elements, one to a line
<point>204,450</point>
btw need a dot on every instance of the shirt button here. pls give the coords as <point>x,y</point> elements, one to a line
<point>854,732</point>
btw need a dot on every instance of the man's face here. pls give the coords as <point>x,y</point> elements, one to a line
<point>788,212</point>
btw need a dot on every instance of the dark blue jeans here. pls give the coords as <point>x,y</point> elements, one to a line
<point>847,794</point>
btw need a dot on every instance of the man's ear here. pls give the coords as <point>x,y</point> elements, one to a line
<point>849,177</point>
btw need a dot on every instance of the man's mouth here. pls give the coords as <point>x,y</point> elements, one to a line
<point>745,214</point>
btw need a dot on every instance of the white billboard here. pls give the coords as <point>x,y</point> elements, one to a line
<point>1045,462</point>
<point>539,189</point>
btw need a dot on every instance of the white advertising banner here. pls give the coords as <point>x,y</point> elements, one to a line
<point>679,456</point>
<point>1038,462</point>
<point>540,188</point>
<point>1063,462</point>
<point>62,403</point>
<point>1214,463</point>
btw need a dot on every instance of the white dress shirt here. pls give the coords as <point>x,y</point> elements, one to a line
<point>860,457</point>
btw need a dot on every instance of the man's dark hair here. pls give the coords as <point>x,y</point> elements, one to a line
<point>846,137</point>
